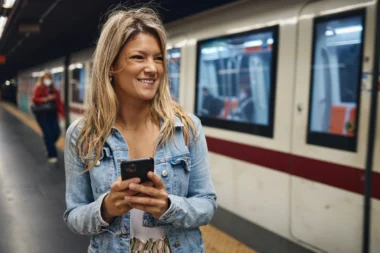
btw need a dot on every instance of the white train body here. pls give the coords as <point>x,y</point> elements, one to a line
<point>319,210</point>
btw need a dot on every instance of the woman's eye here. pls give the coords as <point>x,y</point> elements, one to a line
<point>159,58</point>
<point>139,57</point>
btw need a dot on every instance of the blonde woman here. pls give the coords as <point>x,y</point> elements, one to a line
<point>131,115</point>
<point>47,107</point>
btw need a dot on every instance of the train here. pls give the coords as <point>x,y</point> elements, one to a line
<point>283,90</point>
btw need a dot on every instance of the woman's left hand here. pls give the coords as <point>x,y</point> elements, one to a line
<point>156,199</point>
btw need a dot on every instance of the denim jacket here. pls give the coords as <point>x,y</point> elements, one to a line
<point>184,170</point>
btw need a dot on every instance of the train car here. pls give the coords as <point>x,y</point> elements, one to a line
<point>294,162</point>
<point>282,90</point>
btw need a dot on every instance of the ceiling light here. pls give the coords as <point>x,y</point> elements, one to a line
<point>349,29</point>
<point>8,3</point>
<point>3,21</point>
<point>253,43</point>
<point>329,32</point>
<point>209,50</point>
<point>175,55</point>
<point>7,83</point>
<point>37,74</point>
<point>57,70</point>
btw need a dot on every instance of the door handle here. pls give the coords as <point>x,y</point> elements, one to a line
<point>299,107</point>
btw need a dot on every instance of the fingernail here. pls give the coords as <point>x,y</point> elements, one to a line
<point>150,173</point>
<point>132,186</point>
<point>127,198</point>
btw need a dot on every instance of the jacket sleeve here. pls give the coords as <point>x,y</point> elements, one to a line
<point>199,206</point>
<point>60,107</point>
<point>83,213</point>
<point>38,94</point>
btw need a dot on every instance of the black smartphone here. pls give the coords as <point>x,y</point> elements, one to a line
<point>137,168</point>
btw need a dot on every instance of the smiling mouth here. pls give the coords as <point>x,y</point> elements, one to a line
<point>146,81</point>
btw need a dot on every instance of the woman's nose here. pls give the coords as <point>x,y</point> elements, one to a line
<point>151,67</point>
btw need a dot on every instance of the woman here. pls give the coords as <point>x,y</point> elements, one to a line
<point>45,93</point>
<point>131,115</point>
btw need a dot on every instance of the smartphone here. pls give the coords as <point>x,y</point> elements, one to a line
<point>137,168</point>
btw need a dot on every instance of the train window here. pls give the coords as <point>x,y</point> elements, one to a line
<point>335,80</point>
<point>57,80</point>
<point>236,81</point>
<point>77,82</point>
<point>174,64</point>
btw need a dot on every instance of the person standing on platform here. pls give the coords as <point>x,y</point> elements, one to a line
<point>131,115</point>
<point>47,107</point>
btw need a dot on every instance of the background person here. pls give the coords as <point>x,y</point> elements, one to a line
<point>45,93</point>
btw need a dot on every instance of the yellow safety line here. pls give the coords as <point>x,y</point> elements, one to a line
<point>31,122</point>
<point>216,241</point>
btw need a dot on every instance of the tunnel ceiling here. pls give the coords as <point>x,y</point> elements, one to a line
<point>70,25</point>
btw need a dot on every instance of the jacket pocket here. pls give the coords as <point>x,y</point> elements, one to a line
<point>181,168</point>
<point>181,162</point>
<point>102,173</point>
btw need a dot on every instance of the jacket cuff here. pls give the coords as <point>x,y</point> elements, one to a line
<point>98,211</point>
<point>170,214</point>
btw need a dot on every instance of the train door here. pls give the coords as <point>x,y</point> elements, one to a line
<point>375,208</point>
<point>331,114</point>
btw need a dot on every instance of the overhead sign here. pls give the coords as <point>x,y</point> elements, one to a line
<point>29,28</point>
<point>2,59</point>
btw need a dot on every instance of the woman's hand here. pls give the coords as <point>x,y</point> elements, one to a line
<point>114,203</point>
<point>154,199</point>
<point>50,97</point>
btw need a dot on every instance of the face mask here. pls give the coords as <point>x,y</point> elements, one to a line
<point>47,82</point>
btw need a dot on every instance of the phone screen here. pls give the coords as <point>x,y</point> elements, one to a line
<point>137,168</point>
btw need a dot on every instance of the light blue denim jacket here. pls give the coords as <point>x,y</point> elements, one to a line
<point>185,171</point>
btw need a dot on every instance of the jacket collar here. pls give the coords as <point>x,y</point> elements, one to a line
<point>177,122</point>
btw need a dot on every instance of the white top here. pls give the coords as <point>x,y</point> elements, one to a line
<point>141,232</point>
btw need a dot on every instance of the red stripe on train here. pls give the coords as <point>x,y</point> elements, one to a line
<point>340,176</point>
<point>77,110</point>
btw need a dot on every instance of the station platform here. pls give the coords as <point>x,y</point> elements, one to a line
<point>32,195</point>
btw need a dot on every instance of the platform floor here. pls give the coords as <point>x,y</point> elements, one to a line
<point>32,195</point>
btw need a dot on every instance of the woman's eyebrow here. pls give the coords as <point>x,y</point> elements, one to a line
<point>143,52</point>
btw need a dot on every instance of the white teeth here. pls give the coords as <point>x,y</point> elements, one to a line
<point>150,81</point>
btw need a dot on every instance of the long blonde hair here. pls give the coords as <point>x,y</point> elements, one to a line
<point>121,27</point>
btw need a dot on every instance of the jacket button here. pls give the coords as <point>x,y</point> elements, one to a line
<point>177,244</point>
<point>164,173</point>
<point>97,163</point>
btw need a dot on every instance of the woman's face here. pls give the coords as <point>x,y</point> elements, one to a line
<point>47,80</point>
<point>138,70</point>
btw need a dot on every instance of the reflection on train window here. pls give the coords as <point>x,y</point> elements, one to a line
<point>57,80</point>
<point>77,82</point>
<point>335,82</point>
<point>174,64</point>
<point>236,81</point>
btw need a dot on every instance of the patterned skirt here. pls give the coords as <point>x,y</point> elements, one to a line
<point>161,245</point>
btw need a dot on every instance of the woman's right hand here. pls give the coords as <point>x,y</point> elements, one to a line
<point>114,203</point>
<point>49,97</point>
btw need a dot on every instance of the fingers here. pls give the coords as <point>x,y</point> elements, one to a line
<point>157,207</point>
<point>121,185</point>
<point>157,180</point>
<point>132,193</point>
<point>151,191</point>
<point>150,209</point>
<point>146,201</point>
